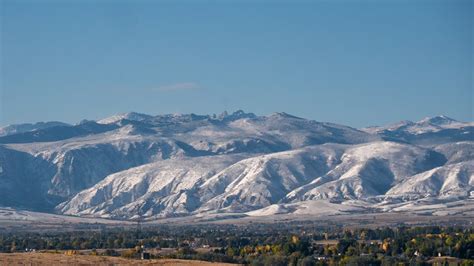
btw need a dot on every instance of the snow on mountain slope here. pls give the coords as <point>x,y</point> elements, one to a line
<point>21,128</point>
<point>164,188</point>
<point>429,132</point>
<point>86,161</point>
<point>211,183</point>
<point>329,171</point>
<point>448,180</point>
<point>24,179</point>
<point>58,133</point>
<point>188,164</point>
<point>457,152</point>
<point>428,124</point>
<point>263,180</point>
<point>132,116</point>
<point>316,208</point>
<point>274,133</point>
<point>237,132</point>
<point>437,123</point>
<point>368,170</point>
<point>303,132</point>
<point>133,143</point>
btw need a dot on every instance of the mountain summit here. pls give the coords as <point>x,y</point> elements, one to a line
<point>438,120</point>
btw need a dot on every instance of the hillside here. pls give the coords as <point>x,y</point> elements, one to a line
<point>182,165</point>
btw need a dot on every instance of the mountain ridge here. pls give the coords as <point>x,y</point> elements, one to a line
<point>188,164</point>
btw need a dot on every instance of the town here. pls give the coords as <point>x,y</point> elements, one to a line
<point>303,243</point>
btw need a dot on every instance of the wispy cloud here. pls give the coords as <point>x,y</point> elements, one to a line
<point>183,86</point>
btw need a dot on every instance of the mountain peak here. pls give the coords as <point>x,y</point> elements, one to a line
<point>134,116</point>
<point>437,120</point>
<point>239,114</point>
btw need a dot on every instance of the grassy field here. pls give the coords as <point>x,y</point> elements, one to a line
<point>49,259</point>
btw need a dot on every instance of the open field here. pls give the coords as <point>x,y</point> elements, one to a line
<point>39,258</point>
<point>16,220</point>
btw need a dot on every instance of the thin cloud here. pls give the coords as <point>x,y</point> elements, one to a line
<point>184,86</point>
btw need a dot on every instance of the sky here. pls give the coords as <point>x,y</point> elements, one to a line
<point>357,63</point>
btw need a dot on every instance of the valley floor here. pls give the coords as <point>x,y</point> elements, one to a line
<point>34,221</point>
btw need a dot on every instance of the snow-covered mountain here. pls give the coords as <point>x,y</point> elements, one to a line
<point>187,164</point>
<point>428,124</point>
<point>429,131</point>
<point>20,128</point>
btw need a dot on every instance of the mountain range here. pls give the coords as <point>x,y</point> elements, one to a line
<point>133,164</point>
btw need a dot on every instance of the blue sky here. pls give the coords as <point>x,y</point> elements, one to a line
<point>357,63</point>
